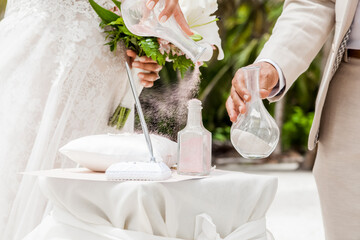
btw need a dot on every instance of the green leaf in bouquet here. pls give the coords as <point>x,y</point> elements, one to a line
<point>117,3</point>
<point>160,58</point>
<point>118,21</point>
<point>102,24</point>
<point>181,63</point>
<point>106,15</point>
<point>196,37</point>
<point>149,46</point>
<point>151,49</point>
<point>113,46</point>
<point>134,41</point>
<point>125,30</point>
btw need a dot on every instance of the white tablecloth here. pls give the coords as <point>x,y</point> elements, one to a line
<point>227,205</point>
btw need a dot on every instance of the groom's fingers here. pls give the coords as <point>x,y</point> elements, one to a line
<point>264,93</point>
<point>233,112</point>
<point>239,103</point>
<point>268,78</point>
<point>238,83</point>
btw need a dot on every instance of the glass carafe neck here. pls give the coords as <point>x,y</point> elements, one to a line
<point>251,76</point>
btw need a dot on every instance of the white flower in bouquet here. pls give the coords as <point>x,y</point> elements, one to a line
<point>198,14</point>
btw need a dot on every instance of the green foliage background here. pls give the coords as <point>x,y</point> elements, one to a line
<point>245,26</point>
<point>2,8</point>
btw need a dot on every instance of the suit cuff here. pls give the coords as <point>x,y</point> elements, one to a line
<point>280,86</point>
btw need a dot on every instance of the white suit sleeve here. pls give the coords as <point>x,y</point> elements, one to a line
<point>298,36</point>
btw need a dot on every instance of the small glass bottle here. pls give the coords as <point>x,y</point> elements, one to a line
<point>255,133</point>
<point>194,143</point>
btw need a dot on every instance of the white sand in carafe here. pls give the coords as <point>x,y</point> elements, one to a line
<point>249,143</point>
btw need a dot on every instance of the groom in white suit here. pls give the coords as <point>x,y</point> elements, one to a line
<point>298,36</point>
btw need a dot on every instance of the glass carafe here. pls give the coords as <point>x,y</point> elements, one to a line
<point>145,22</point>
<point>255,133</point>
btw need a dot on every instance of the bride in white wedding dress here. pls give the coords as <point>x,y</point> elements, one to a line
<point>57,82</point>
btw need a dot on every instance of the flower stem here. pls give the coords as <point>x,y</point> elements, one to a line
<point>200,25</point>
<point>119,117</point>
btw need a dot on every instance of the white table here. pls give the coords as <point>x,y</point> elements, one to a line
<point>227,205</point>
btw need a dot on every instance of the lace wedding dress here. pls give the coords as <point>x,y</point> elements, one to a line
<point>57,82</point>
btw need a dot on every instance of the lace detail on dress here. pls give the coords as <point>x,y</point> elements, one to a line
<point>58,82</point>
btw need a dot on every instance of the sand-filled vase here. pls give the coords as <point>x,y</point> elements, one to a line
<point>255,133</point>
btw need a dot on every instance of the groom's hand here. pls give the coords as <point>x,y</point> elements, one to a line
<point>239,95</point>
<point>147,64</point>
<point>172,7</point>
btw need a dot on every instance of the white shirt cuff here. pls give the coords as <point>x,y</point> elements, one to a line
<point>281,83</point>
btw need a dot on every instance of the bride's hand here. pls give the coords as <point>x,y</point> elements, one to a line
<point>147,64</point>
<point>172,7</point>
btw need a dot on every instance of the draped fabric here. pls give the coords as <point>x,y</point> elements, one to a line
<point>225,206</point>
<point>62,226</point>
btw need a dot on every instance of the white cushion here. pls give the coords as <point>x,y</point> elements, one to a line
<point>98,152</point>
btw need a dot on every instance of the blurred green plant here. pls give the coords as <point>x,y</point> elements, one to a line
<point>296,129</point>
<point>221,133</point>
<point>244,33</point>
<point>2,8</point>
<point>299,108</point>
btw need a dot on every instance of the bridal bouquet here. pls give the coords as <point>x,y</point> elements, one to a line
<point>159,50</point>
<point>198,15</point>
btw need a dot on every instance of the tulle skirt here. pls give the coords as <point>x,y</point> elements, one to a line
<point>57,82</point>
